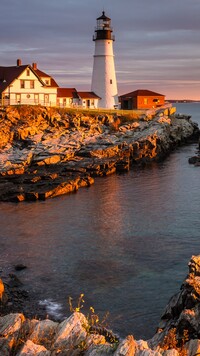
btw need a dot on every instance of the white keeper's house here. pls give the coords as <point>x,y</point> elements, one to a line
<point>28,85</point>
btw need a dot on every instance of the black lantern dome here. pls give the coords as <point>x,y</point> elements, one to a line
<point>103,31</point>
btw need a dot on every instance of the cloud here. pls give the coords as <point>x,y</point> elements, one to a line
<point>157,42</point>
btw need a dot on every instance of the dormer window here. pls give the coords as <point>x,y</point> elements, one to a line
<point>47,81</point>
<point>22,84</point>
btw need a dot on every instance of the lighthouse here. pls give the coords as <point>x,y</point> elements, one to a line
<point>104,82</point>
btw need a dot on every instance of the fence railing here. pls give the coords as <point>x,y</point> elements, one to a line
<point>131,113</point>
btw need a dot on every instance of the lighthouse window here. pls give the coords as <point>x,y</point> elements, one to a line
<point>110,81</point>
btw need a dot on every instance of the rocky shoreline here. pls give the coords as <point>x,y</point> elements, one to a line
<point>178,332</point>
<point>47,152</point>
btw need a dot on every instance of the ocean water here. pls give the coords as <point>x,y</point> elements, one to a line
<point>124,242</point>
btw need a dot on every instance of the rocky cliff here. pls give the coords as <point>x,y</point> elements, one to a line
<point>178,332</point>
<point>46,152</point>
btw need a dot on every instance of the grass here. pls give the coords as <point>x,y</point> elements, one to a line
<point>171,341</point>
<point>95,325</point>
<point>132,114</point>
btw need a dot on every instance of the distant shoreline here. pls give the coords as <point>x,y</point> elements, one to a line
<point>183,101</point>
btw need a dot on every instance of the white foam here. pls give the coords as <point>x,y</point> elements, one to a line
<point>53,308</point>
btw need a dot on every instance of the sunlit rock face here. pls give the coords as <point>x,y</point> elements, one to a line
<point>45,152</point>
<point>183,310</point>
<point>194,265</point>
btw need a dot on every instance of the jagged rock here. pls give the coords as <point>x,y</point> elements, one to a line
<point>94,339</point>
<point>194,265</point>
<point>194,159</point>
<point>182,311</point>
<point>44,333</point>
<point>11,323</point>
<point>71,332</point>
<point>193,347</point>
<point>31,349</point>
<point>14,281</point>
<point>127,347</point>
<point>20,267</point>
<point>149,352</point>
<point>6,345</point>
<point>100,350</point>
<point>172,352</point>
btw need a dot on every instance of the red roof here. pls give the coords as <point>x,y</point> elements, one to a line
<point>44,75</point>
<point>88,95</point>
<point>141,92</point>
<point>9,74</point>
<point>67,93</point>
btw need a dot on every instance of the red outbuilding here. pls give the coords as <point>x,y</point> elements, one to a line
<point>141,99</point>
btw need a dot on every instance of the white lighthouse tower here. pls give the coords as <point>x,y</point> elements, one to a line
<point>104,82</point>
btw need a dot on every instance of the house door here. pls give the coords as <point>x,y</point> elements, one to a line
<point>46,99</point>
<point>125,104</point>
<point>88,103</point>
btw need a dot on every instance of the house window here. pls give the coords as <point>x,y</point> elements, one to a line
<point>28,72</point>
<point>145,101</point>
<point>36,98</point>
<point>22,84</point>
<point>110,81</point>
<point>32,84</point>
<point>47,82</point>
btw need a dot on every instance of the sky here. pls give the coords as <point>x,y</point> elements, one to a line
<point>157,44</point>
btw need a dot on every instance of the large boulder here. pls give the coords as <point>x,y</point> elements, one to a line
<point>71,332</point>
<point>31,349</point>
<point>10,324</point>
<point>44,333</point>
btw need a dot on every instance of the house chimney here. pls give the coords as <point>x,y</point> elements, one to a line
<point>34,65</point>
<point>19,62</point>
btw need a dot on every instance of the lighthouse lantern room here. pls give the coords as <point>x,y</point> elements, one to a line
<point>104,82</point>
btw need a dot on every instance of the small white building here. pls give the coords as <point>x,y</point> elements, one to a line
<point>88,99</point>
<point>26,84</point>
<point>70,97</point>
<point>67,97</point>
